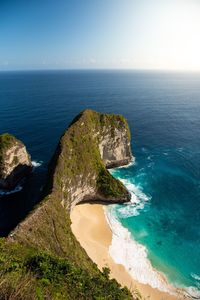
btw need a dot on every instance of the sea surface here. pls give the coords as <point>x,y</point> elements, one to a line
<point>163,110</point>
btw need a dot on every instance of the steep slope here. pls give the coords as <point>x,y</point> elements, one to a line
<point>44,241</point>
<point>93,142</point>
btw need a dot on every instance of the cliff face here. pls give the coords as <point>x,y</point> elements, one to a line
<point>77,173</point>
<point>42,256</point>
<point>15,162</point>
<point>92,143</point>
<point>114,146</point>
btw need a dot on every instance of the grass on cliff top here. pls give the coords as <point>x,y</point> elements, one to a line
<point>79,154</point>
<point>43,259</point>
<point>27,274</point>
<point>6,140</point>
<point>52,264</point>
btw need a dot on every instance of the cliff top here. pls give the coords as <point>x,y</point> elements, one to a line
<point>7,140</point>
<point>15,161</point>
<point>92,141</point>
<point>42,255</point>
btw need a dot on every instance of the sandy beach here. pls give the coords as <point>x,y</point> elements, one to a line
<point>91,229</point>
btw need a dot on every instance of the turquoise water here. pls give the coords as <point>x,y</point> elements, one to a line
<point>165,214</point>
<point>163,111</point>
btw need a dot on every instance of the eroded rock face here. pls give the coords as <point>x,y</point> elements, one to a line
<point>15,162</point>
<point>93,143</point>
<point>78,173</point>
<point>115,147</point>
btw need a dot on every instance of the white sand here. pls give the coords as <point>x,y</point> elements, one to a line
<point>91,229</point>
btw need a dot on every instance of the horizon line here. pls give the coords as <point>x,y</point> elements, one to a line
<point>102,69</point>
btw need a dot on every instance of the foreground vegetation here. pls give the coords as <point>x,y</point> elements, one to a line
<point>26,273</point>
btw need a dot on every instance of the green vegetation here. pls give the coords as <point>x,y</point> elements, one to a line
<point>109,186</point>
<point>30,274</point>
<point>6,140</point>
<point>79,154</point>
<point>42,259</point>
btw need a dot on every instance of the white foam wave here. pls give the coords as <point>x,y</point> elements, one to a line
<point>132,162</point>
<point>132,255</point>
<point>137,203</point>
<point>193,292</point>
<point>36,164</point>
<point>6,193</point>
<point>126,251</point>
<point>195,276</point>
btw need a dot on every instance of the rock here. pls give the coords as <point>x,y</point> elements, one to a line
<point>114,146</point>
<point>93,142</point>
<point>78,173</point>
<point>15,162</point>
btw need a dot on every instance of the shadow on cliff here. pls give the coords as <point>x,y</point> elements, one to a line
<point>17,203</point>
<point>17,176</point>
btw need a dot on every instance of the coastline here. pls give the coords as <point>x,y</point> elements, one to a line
<point>90,227</point>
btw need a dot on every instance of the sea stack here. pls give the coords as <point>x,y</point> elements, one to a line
<point>15,162</point>
<point>92,143</point>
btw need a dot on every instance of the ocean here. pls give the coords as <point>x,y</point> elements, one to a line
<point>160,228</point>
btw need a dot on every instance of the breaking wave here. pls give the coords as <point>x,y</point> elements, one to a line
<point>36,164</point>
<point>7,193</point>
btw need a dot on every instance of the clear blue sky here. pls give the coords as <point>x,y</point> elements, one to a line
<point>63,34</point>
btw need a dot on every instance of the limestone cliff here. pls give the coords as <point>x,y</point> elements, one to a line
<point>41,258</point>
<point>15,161</point>
<point>93,142</point>
<point>77,173</point>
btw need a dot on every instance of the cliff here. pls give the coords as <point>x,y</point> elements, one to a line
<point>15,162</point>
<point>77,173</point>
<point>91,144</point>
<point>42,249</point>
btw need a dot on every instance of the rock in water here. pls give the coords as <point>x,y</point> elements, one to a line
<point>15,162</point>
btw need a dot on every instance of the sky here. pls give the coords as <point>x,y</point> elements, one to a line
<point>105,34</point>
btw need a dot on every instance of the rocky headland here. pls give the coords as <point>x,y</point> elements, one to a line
<point>15,162</point>
<point>43,246</point>
<point>78,173</point>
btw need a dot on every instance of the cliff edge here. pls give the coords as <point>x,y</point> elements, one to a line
<point>41,258</point>
<point>78,173</point>
<point>92,143</point>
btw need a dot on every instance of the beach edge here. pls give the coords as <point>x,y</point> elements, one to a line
<point>91,229</point>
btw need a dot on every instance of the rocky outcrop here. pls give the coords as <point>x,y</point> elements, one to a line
<point>114,146</point>
<point>15,162</point>
<point>49,258</point>
<point>78,173</point>
<point>93,143</point>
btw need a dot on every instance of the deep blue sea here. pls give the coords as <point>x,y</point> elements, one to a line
<point>163,111</point>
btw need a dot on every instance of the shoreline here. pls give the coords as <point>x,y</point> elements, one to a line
<point>90,227</point>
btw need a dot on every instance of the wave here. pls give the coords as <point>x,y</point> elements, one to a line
<point>137,203</point>
<point>132,162</point>
<point>36,164</point>
<point>6,193</point>
<point>195,276</point>
<point>192,292</point>
<point>19,187</point>
<point>133,256</point>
